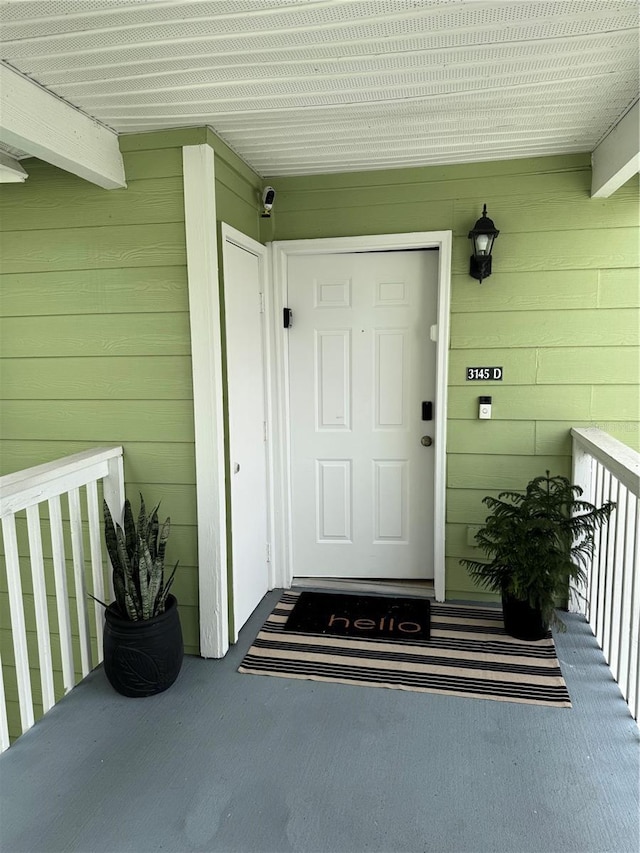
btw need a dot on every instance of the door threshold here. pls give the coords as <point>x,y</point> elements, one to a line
<point>368,585</point>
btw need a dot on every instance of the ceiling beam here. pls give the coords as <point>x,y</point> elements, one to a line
<point>11,172</point>
<point>35,121</point>
<point>617,158</point>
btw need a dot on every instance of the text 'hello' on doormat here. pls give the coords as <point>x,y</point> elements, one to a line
<point>344,615</point>
<point>468,654</point>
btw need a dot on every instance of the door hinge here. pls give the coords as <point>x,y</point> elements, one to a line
<point>261,295</point>
<point>264,431</point>
<point>268,552</point>
<point>287,317</point>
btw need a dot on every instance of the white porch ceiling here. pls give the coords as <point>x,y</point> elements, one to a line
<point>337,85</point>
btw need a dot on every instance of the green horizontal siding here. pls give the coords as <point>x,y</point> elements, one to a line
<point>556,290</point>
<point>593,366</point>
<point>165,163</point>
<point>559,314</point>
<point>101,421</point>
<point>619,288</point>
<point>106,247</point>
<point>98,378</point>
<point>501,437</point>
<point>60,336</point>
<point>73,206</point>
<point>141,290</point>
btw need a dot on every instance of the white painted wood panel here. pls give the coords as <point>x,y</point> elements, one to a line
<point>391,500</point>
<point>333,500</point>
<point>333,374</point>
<point>390,378</point>
<point>361,362</point>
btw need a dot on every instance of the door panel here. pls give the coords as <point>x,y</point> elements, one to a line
<point>245,370</point>
<point>361,363</point>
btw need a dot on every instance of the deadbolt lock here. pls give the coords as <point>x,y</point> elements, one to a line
<point>426,441</point>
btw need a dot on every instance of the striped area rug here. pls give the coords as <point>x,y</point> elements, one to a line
<point>468,654</point>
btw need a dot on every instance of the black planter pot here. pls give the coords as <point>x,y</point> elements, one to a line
<point>143,658</point>
<point>521,620</point>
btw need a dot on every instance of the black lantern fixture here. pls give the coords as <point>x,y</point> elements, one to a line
<point>483,233</point>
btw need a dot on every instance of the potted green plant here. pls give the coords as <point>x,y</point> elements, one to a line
<point>143,648</point>
<point>537,541</point>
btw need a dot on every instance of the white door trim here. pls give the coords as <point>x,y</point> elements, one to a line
<point>278,359</point>
<point>231,236</point>
<point>206,355</point>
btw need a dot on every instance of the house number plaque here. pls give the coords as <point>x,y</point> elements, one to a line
<point>483,374</point>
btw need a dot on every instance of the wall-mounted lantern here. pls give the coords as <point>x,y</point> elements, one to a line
<point>483,233</point>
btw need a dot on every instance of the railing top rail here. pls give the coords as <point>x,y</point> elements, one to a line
<point>24,488</point>
<point>621,460</point>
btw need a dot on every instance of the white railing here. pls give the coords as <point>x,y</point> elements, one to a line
<point>25,492</point>
<point>606,469</point>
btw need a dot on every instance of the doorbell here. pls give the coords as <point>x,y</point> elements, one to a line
<point>484,408</point>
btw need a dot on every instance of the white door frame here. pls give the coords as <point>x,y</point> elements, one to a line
<point>279,382</point>
<point>233,237</point>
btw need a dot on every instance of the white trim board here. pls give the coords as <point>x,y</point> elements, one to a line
<point>39,123</point>
<point>11,172</point>
<point>423,589</point>
<point>206,353</point>
<point>277,356</point>
<point>617,158</point>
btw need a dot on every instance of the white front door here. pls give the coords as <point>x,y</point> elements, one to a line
<point>361,365</point>
<point>243,273</point>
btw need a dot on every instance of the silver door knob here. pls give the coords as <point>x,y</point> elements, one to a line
<point>426,441</point>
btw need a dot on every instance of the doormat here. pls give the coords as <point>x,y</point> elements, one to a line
<point>469,654</point>
<point>348,615</point>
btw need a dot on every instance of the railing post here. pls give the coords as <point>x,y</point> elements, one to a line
<point>581,475</point>
<point>113,490</point>
<point>4,722</point>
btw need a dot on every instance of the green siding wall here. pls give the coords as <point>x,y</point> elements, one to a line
<point>94,334</point>
<point>560,313</point>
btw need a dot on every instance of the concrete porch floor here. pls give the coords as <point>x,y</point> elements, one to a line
<point>249,764</point>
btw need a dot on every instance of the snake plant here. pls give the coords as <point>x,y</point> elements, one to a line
<point>137,559</point>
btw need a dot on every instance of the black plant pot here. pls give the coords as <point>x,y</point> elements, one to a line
<point>521,620</point>
<point>143,658</point>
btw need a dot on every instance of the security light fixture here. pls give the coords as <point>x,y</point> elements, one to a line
<point>483,233</point>
<point>268,198</point>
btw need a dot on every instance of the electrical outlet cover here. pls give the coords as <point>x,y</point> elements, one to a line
<point>471,532</point>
